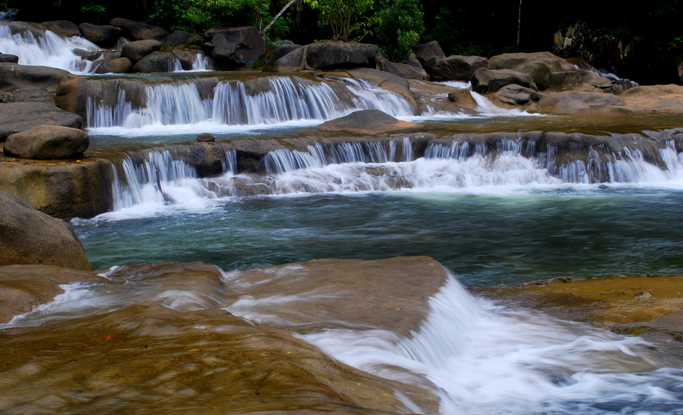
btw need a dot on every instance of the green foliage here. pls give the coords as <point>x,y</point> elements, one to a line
<point>196,16</point>
<point>4,4</point>
<point>346,18</point>
<point>93,10</point>
<point>401,25</point>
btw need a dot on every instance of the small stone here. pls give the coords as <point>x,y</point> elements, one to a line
<point>206,138</point>
<point>644,295</point>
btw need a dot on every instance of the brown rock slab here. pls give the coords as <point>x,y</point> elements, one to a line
<point>365,122</point>
<point>47,142</point>
<point>576,101</point>
<point>22,116</point>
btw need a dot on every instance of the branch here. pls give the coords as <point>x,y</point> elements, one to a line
<point>278,15</point>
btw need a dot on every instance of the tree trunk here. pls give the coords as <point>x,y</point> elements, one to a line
<point>278,15</point>
<point>519,23</point>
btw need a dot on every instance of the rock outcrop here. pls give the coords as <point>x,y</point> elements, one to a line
<point>233,48</point>
<point>31,237</point>
<point>428,52</point>
<point>517,95</point>
<point>456,68</point>
<point>101,35</point>
<point>365,122</point>
<point>485,80</point>
<point>8,58</point>
<point>47,142</point>
<point>137,50</point>
<point>63,27</point>
<point>576,101</point>
<point>139,31</point>
<point>328,56</point>
<point>546,69</point>
<point>22,116</point>
<point>156,62</point>
<point>119,65</point>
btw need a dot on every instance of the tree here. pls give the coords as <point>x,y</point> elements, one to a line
<point>344,17</point>
<point>401,25</point>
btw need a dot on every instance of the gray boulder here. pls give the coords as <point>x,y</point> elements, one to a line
<point>237,47</point>
<point>8,58</point>
<point>139,31</point>
<point>156,62</point>
<point>62,27</point>
<point>291,62</point>
<point>517,95</point>
<point>21,116</point>
<point>456,68</point>
<point>340,55</point>
<point>179,37</point>
<point>485,80</point>
<point>206,138</point>
<point>137,50</point>
<point>427,51</point>
<point>104,35</point>
<point>403,70</point>
<point>47,142</point>
<point>279,53</point>
<point>14,76</point>
<point>119,65</point>
<point>546,69</point>
<point>31,237</point>
<point>365,122</point>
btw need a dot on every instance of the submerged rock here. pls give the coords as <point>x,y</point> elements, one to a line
<point>31,237</point>
<point>365,122</point>
<point>47,142</point>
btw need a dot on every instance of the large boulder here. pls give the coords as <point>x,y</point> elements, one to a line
<point>119,65</point>
<point>179,37</point>
<point>139,31</point>
<point>137,50</point>
<point>517,95</point>
<point>403,70</point>
<point>456,68</point>
<point>485,80</point>
<point>575,101</point>
<point>156,62</point>
<point>30,237</point>
<point>63,27</point>
<point>8,58</point>
<point>365,122</point>
<point>22,116</point>
<point>546,69</point>
<point>47,142</point>
<point>293,61</point>
<point>655,98</point>
<point>104,35</point>
<point>386,81</point>
<point>279,53</point>
<point>237,47</point>
<point>427,51</point>
<point>340,55</point>
<point>14,76</point>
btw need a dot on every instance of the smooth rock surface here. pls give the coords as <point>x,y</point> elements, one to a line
<point>101,35</point>
<point>47,142</point>
<point>341,55</point>
<point>156,62</point>
<point>277,54</point>
<point>365,122</point>
<point>539,66</point>
<point>456,68</point>
<point>178,37</point>
<point>8,58</point>
<point>63,27</point>
<point>575,101</point>
<point>485,80</point>
<point>22,116</point>
<point>31,237</point>
<point>206,138</point>
<point>517,95</point>
<point>139,31</point>
<point>426,51</point>
<point>137,50</point>
<point>237,47</point>
<point>119,65</point>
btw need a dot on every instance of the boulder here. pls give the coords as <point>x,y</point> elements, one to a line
<point>206,138</point>
<point>137,50</point>
<point>291,62</point>
<point>279,53</point>
<point>655,98</point>
<point>8,58</point>
<point>139,31</point>
<point>63,27</point>
<point>14,76</point>
<point>194,40</point>
<point>156,62</point>
<point>386,81</point>
<point>575,101</point>
<point>539,66</point>
<point>340,55</point>
<point>427,51</point>
<point>365,122</point>
<point>47,142</point>
<point>403,70</point>
<point>179,37</point>
<point>485,80</point>
<point>517,95</point>
<point>238,47</point>
<point>22,116</point>
<point>104,35</point>
<point>120,65</point>
<point>456,68</point>
<point>30,237</point>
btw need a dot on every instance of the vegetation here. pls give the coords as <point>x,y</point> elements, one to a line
<point>401,24</point>
<point>345,18</point>
<point>94,11</point>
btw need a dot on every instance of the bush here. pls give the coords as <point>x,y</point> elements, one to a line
<point>401,25</point>
<point>196,16</point>
<point>346,18</point>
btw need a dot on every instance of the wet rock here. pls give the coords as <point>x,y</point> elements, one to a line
<point>428,51</point>
<point>279,53</point>
<point>575,101</point>
<point>434,97</point>
<point>293,61</point>
<point>365,122</point>
<point>386,81</point>
<point>120,65</point>
<point>47,142</point>
<point>14,76</point>
<point>517,95</point>
<point>8,58</point>
<point>539,66</point>
<point>91,55</point>
<point>237,47</point>
<point>139,31</point>
<point>655,98</point>
<point>63,27</point>
<point>104,35</point>
<point>156,62</point>
<point>403,70</point>
<point>22,116</point>
<point>206,138</point>
<point>643,295</point>
<point>31,237</point>
<point>178,37</point>
<point>485,80</point>
<point>341,55</point>
<point>456,68</point>
<point>137,50</point>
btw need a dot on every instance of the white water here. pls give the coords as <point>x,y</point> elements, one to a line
<point>47,50</point>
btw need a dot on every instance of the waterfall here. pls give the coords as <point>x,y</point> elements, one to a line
<point>35,45</point>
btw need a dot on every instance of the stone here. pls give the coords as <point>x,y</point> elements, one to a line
<point>539,66</point>
<point>517,95</point>
<point>291,62</point>
<point>120,65</point>
<point>426,51</point>
<point>139,31</point>
<point>237,47</point>
<point>22,116</point>
<point>47,142</point>
<point>365,122</point>
<point>178,37</point>
<point>386,81</point>
<point>279,53</point>
<point>156,62</point>
<point>137,50</point>
<point>104,35</point>
<point>575,101</point>
<point>64,27</point>
<point>8,58</point>
<point>456,68</point>
<point>655,98</point>
<point>195,40</point>
<point>341,55</point>
<point>14,76</point>
<point>206,138</point>
<point>485,80</point>
<point>403,70</point>
<point>31,237</point>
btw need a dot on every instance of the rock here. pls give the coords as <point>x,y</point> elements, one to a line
<point>403,70</point>
<point>279,53</point>
<point>643,295</point>
<point>206,138</point>
<point>137,50</point>
<point>47,142</point>
<point>179,37</point>
<point>64,27</point>
<point>238,47</point>
<point>31,237</point>
<point>427,51</point>
<point>22,116</point>
<point>8,58</point>
<point>340,55</point>
<point>412,61</point>
<point>291,62</point>
<point>432,97</point>
<point>91,55</point>
<point>156,62</point>
<point>485,80</point>
<point>195,40</point>
<point>386,81</point>
<point>456,68</point>
<point>575,101</point>
<point>14,76</point>
<point>139,31</point>
<point>365,122</point>
<point>517,95</point>
<point>105,35</point>
<point>655,98</point>
<point>120,65</point>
